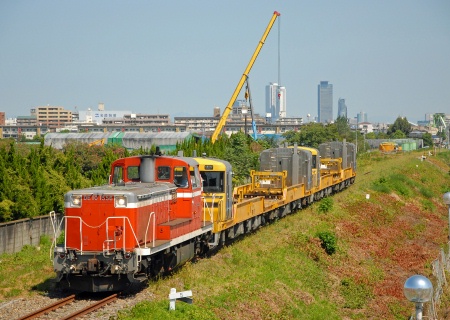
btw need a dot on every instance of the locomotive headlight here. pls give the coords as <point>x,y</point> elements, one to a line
<point>120,201</point>
<point>76,200</point>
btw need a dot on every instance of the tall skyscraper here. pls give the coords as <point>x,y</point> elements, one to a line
<point>325,102</point>
<point>275,101</point>
<point>342,108</point>
<point>361,117</point>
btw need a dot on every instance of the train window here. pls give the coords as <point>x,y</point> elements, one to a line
<point>180,177</point>
<point>163,173</point>
<point>118,175</point>
<point>133,173</point>
<point>194,179</point>
<point>213,181</point>
<point>314,161</point>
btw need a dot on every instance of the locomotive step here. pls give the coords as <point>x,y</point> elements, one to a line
<point>171,229</point>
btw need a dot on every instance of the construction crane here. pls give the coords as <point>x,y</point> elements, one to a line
<point>241,82</point>
<point>98,142</point>
<point>249,96</point>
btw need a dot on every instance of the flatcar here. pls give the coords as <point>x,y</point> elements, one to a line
<point>157,212</point>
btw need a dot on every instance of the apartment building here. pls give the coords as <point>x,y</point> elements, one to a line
<point>52,117</point>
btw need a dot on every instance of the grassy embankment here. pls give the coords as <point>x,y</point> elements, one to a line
<point>284,272</point>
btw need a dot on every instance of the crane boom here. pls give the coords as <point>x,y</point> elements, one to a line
<point>241,82</point>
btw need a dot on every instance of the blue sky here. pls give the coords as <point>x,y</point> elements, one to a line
<point>386,58</point>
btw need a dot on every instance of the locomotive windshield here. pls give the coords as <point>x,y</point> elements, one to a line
<point>118,175</point>
<point>133,173</point>
<point>181,177</point>
<point>163,173</point>
<point>213,181</point>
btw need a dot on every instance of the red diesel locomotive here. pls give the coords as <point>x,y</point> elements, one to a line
<point>148,219</point>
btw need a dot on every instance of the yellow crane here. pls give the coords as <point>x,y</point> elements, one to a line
<point>99,142</point>
<point>228,108</point>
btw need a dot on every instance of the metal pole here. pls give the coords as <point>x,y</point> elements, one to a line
<point>419,310</point>
<point>245,124</point>
<point>449,223</point>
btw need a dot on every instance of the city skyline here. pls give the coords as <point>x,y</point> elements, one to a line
<point>387,58</point>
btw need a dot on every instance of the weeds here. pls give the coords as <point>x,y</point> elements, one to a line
<point>328,241</point>
<point>355,294</point>
<point>26,270</point>
<point>325,205</point>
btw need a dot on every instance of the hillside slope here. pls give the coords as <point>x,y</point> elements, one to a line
<point>389,225</point>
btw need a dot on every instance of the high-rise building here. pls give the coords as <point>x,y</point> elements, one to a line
<point>342,108</point>
<point>275,101</point>
<point>325,102</point>
<point>361,117</point>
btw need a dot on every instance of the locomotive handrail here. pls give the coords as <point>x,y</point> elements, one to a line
<point>220,203</point>
<point>81,230</point>
<point>81,233</point>
<point>53,220</point>
<point>210,210</point>
<point>124,231</point>
<point>152,214</point>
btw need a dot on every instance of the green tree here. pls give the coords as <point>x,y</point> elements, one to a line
<point>427,140</point>
<point>239,154</point>
<point>401,124</point>
<point>342,127</point>
<point>313,134</point>
<point>398,134</point>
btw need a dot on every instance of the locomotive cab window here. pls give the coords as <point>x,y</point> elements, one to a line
<point>118,175</point>
<point>195,181</point>
<point>133,173</point>
<point>213,181</point>
<point>180,177</point>
<point>314,161</point>
<point>163,173</point>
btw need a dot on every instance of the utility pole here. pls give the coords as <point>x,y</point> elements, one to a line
<point>356,134</point>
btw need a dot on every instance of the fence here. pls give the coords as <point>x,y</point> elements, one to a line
<point>16,234</point>
<point>440,266</point>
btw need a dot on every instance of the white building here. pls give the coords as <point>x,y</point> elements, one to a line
<point>275,101</point>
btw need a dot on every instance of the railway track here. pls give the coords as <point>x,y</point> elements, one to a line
<point>61,303</point>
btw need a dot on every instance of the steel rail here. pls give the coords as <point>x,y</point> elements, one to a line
<point>92,307</point>
<point>47,309</point>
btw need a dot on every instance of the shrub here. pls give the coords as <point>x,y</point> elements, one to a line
<point>328,241</point>
<point>325,205</point>
<point>381,185</point>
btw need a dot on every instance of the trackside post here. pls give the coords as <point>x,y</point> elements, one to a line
<point>183,296</point>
